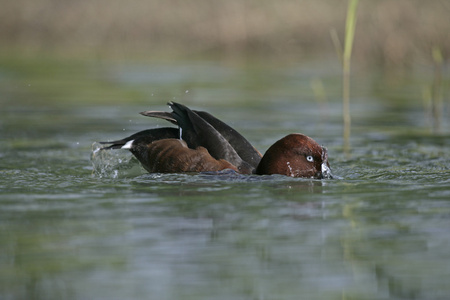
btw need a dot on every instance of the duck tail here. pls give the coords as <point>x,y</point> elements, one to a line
<point>114,144</point>
<point>144,137</point>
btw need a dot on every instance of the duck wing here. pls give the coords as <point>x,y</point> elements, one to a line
<point>160,115</point>
<point>200,128</point>
<point>198,132</point>
<point>239,143</point>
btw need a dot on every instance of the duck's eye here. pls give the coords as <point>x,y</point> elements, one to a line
<point>310,158</point>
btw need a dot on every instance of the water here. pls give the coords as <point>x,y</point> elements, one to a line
<point>76,227</point>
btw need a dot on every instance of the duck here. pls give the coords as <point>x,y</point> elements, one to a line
<point>203,143</point>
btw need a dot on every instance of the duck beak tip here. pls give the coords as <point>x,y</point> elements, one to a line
<point>326,171</point>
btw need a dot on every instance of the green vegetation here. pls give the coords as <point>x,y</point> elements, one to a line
<point>346,59</point>
<point>436,99</point>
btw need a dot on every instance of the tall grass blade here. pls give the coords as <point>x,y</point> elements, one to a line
<point>346,59</point>
<point>436,99</point>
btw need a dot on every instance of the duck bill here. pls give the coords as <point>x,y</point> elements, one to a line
<point>325,167</point>
<point>326,172</point>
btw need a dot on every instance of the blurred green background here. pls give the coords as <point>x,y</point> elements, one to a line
<point>392,33</point>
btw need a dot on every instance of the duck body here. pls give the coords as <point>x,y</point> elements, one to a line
<point>174,156</point>
<point>204,143</point>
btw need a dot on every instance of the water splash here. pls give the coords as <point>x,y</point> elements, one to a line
<point>113,163</point>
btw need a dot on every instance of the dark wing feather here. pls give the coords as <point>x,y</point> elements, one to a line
<point>148,136</point>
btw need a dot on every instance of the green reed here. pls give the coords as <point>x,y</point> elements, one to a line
<point>436,98</point>
<point>346,59</point>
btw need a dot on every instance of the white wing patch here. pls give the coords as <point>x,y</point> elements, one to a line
<point>128,145</point>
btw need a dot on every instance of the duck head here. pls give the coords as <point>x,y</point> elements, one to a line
<point>296,155</point>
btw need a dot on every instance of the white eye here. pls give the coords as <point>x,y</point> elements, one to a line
<point>310,158</point>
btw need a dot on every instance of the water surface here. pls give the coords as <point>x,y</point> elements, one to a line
<point>77,227</point>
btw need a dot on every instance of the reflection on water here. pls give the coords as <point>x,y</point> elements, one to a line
<point>79,223</point>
